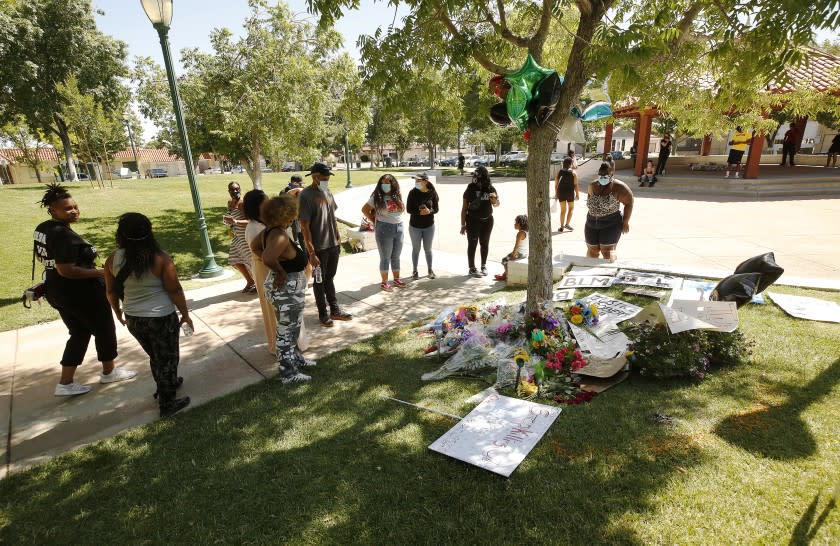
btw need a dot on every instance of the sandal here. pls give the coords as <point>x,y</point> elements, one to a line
<point>501,277</point>
<point>385,286</point>
<point>250,289</point>
<point>398,282</point>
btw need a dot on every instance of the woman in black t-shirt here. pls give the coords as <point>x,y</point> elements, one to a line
<point>76,289</point>
<point>422,205</point>
<point>477,218</point>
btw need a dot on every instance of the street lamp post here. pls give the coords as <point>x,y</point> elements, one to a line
<point>127,121</point>
<point>160,14</point>
<point>347,160</point>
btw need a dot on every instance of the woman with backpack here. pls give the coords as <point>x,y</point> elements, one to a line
<point>141,282</point>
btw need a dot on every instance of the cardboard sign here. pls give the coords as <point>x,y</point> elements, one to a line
<point>645,278</point>
<point>563,294</point>
<point>585,281</point>
<point>578,270</point>
<point>722,314</point>
<point>700,291</point>
<point>498,434</point>
<point>807,308</point>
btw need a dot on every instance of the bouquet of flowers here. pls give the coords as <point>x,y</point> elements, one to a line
<point>581,314</point>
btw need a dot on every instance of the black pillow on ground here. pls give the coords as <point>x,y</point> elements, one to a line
<point>764,264</point>
<point>738,288</point>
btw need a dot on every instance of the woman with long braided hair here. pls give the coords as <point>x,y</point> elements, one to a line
<point>142,282</point>
<point>75,288</point>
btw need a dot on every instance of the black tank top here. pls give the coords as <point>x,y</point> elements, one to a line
<point>292,265</point>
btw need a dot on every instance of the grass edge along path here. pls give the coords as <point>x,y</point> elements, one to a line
<point>752,458</point>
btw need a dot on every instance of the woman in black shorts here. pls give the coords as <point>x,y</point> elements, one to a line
<point>604,223</point>
<point>567,192</point>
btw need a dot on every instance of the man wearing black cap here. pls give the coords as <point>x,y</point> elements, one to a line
<point>320,234</point>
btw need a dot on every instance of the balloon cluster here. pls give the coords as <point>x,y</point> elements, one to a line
<point>531,94</point>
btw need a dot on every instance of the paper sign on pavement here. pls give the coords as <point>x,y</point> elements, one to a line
<point>609,343</point>
<point>722,314</point>
<point>563,294</point>
<point>807,308</point>
<point>700,291</point>
<point>646,278</point>
<point>577,270</point>
<point>586,281</point>
<point>498,434</point>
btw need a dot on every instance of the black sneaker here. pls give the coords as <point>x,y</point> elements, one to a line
<point>474,272</point>
<point>167,410</point>
<point>326,322</point>
<point>415,275</point>
<point>483,271</point>
<point>432,274</point>
<point>338,314</point>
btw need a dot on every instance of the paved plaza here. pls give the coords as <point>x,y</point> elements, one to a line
<point>700,236</point>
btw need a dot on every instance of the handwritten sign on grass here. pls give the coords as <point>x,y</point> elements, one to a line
<point>498,434</point>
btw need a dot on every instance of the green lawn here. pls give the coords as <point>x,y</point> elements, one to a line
<point>165,200</point>
<point>751,459</point>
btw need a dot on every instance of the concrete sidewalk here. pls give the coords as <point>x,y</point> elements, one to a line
<point>228,350</point>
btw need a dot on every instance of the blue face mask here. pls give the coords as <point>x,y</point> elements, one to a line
<point>604,180</point>
<point>418,185</point>
<point>386,188</point>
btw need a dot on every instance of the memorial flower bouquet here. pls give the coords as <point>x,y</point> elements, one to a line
<point>581,314</point>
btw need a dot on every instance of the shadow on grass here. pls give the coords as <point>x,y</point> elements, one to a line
<point>807,527</point>
<point>176,231</point>
<point>331,462</point>
<point>777,431</point>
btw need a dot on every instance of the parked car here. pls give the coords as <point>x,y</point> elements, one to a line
<point>291,166</point>
<point>122,172</point>
<point>237,169</point>
<point>516,158</point>
<point>449,162</point>
<point>156,172</point>
<point>558,157</point>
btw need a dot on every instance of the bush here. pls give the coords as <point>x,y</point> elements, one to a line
<point>658,353</point>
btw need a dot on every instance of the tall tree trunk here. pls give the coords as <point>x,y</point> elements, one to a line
<point>64,135</point>
<point>256,172</point>
<point>539,216</point>
<point>431,156</point>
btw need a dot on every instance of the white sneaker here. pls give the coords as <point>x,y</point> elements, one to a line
<point>118,374</point>
<point>727,175</point>
<point>296,378</point>
<point>308,363</point>
<point>71,389</point>
<point>737,176</point>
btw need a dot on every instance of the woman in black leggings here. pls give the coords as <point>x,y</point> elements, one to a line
<point>76,289</point>
<point>477,217</point>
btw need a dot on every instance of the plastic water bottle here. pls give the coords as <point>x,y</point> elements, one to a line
<point>187,329</point>
<point>319,278</point>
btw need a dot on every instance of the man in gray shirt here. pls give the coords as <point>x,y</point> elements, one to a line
<point>320,235</point>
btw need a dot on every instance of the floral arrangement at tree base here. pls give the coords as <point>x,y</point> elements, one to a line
<point>656,352</point>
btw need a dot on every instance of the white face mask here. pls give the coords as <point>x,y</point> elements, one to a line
<point>604,180</point>
<point>386,188</point>
<point>418,185</point>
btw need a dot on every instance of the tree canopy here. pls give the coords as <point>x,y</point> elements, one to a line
<point>637,46</point>
<point>43,44</point>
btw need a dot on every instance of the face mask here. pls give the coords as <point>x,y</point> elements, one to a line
<point>604,180</point>
<point>322,186</point>
<point>386,188</point>
<point>235,194</point>
<point>418,185</point>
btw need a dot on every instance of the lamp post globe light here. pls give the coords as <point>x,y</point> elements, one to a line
<point>160,14</point>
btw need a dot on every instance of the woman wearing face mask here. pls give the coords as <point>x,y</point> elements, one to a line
<point>76,289</point>
<point>477,218</point>
<point>384,209</point>
<point>240,254</point>
<point>604,223</point>
<point>422,205</point>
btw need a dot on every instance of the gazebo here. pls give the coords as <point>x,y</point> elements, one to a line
<point>819,70</point>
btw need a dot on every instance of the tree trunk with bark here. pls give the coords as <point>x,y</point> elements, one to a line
<point>540,257</point>
<point>254,171</point>
<point>63,133</point>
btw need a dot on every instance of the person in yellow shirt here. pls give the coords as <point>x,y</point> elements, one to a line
<point>739,146</point>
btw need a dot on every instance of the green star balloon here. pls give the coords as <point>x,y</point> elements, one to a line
<point>523,87</point>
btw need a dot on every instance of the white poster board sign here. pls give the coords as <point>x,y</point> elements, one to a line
<point>700,291</point>
<point>611,310</point>
<point>807,308</point>
<point>609,343</point>
<point>498,434</point>
<point>722,314</point>
<point>647,278</point>
<point>563,294</point>
<point>675,320</point>
<point>578,270</point>
<point>585,281</point>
